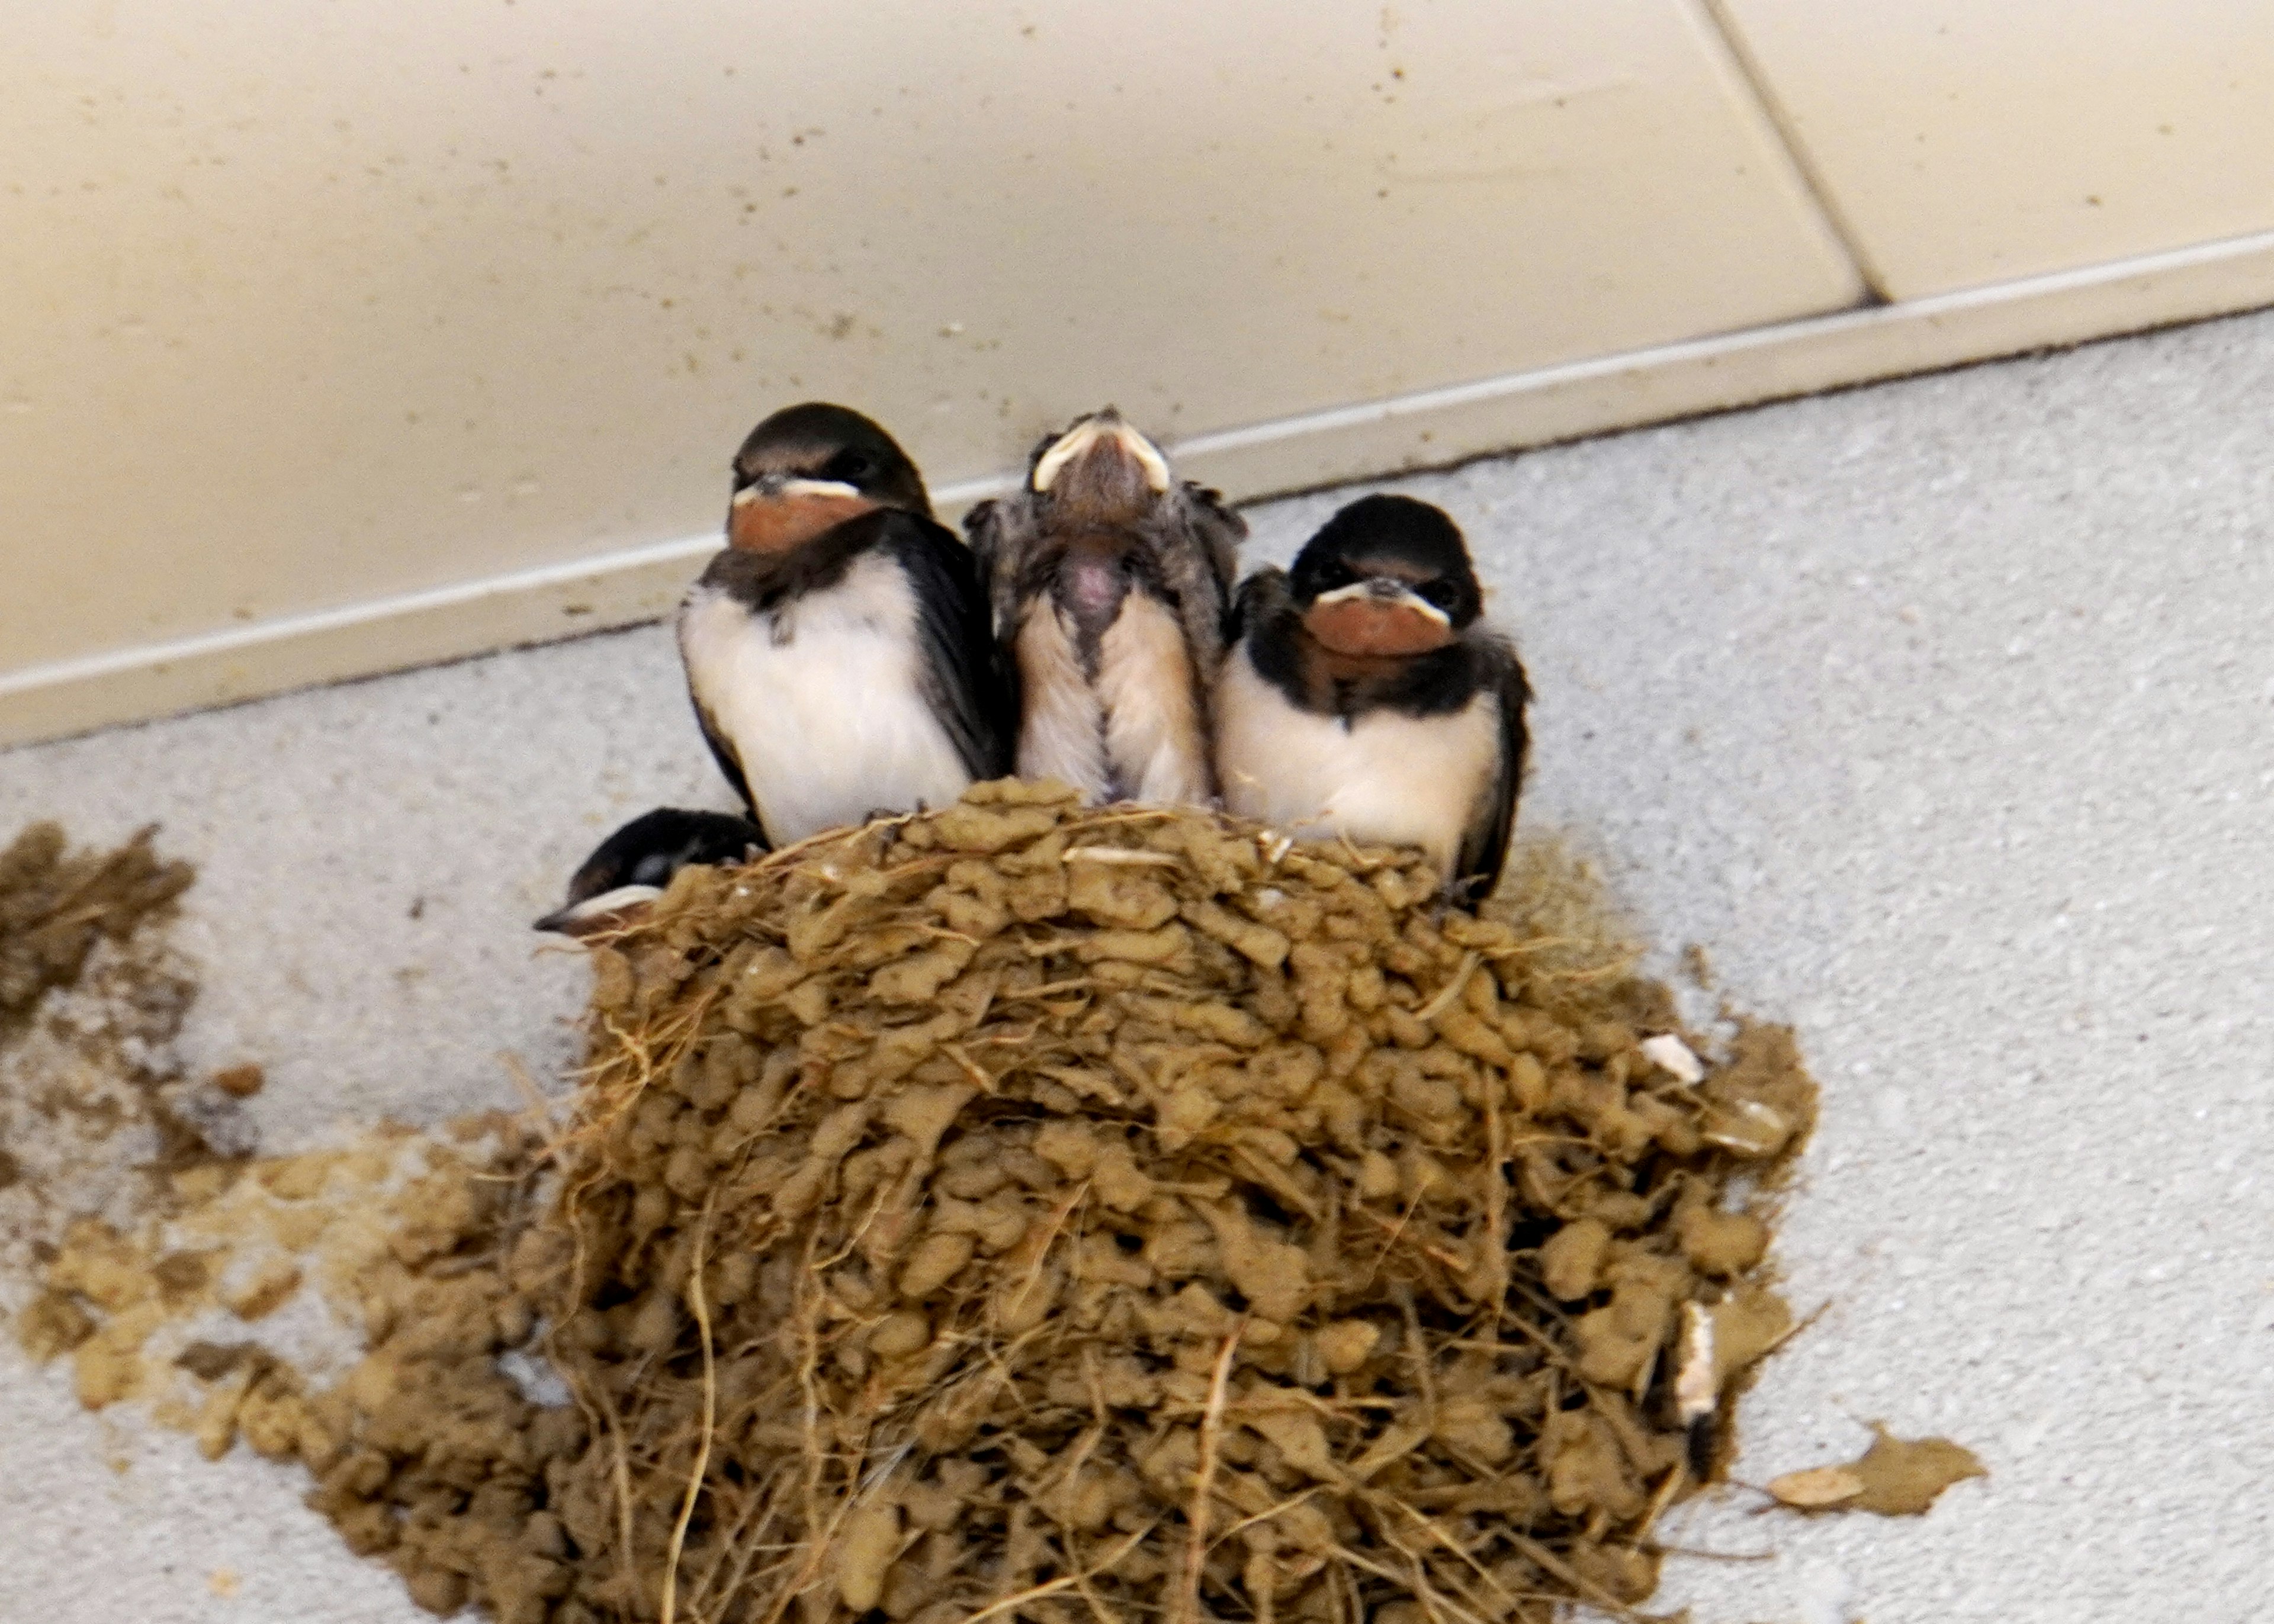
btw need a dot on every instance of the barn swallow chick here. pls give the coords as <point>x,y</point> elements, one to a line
<point>1110,579</point>
<point>837,650</point>
<point>1364,697</point>
<point>635,865</point>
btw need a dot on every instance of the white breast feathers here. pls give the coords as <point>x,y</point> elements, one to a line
<point>1386,778</point>
<point>823,700</point>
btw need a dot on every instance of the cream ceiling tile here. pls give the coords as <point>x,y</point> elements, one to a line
<point>311,304</point>
<point>1966,142</point>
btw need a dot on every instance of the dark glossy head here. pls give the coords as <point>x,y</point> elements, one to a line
<point>1387,575</point>
<point>634,865</point>
<point>831,445</point>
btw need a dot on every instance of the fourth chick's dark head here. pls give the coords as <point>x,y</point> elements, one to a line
<point>831,445</point>
<point>1391,545</point>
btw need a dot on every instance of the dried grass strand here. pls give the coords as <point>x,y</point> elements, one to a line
<point>668,1606</point>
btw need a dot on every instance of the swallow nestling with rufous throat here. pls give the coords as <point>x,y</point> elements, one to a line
<point>837,650</point>
<point>1365,696</point>
<point>1110,579</point>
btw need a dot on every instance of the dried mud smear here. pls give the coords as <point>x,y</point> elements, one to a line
<point>90,1003</point>
<point>1030,1212</point>
<point>1894,1477</point>
<point>56,905</point>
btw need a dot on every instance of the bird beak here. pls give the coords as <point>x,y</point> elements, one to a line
<point>1388,592</point>
<point>780,487</point>
<point>1102,434</point>
<point>611,910</point>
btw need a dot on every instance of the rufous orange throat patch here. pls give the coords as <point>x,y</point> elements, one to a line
<point>1369,628</point>
<point>777,524</point>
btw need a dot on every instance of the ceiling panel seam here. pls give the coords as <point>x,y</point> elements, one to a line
<point>1714,15</point>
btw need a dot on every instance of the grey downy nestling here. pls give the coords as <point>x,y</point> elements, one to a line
<point>1110,579</point>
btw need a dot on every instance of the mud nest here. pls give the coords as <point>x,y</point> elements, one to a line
<point>1016,1211</point>
<point>1027,1210</point>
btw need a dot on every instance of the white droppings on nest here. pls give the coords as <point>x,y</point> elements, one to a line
<point>1697,1382</point>
<point>1669,1054</point>
<point>1113,855</point>
<point>539,1382</point>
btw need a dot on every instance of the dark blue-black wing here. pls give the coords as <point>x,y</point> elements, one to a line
<point>723,753</point>
<point>1484,849</point>
<point>1258,595</point>
<point>967,680</point>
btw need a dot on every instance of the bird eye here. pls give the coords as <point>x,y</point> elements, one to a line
<point>849,467</point>
<point>1440,593</point>
<point>1334,574</point>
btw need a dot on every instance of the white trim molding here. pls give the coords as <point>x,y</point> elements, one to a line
<point>1430,428</point>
